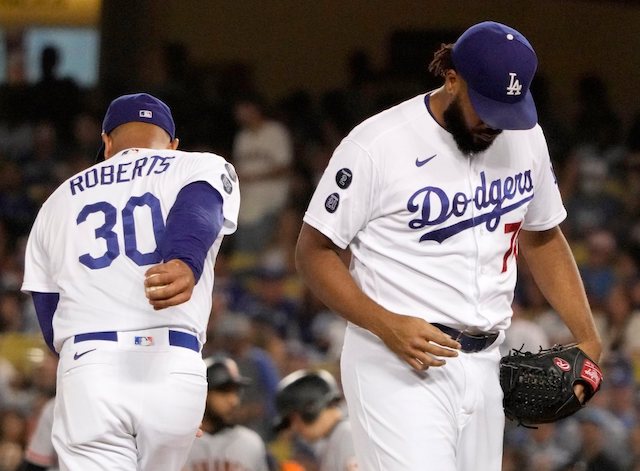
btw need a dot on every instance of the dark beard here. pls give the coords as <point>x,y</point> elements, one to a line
<point>215,423</point>
<point>468,143</point>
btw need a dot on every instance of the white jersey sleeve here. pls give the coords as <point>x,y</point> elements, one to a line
<point>40,450</point>
<point>546,209</point>
<point>38,276</point>
<point>339,214</point>
<point>222,176</point>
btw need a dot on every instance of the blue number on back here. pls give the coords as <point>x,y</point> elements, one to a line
<point>129,229</point>
<point>129,225</point>
<point>103,232</point>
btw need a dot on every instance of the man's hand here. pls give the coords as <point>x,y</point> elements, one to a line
<point>593,349</point>
<point>169,284</point>
<point>417,342</point>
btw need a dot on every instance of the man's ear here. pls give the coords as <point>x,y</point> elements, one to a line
<point>108,145</point>
<point>451,81</point>
<point>173,145</point>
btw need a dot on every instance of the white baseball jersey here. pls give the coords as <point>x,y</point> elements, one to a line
<point>433,233</point>
<point>235,448</point>
<point>40,450</point>
<point>98,233</point>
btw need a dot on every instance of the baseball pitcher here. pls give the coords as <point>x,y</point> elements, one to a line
<point>434,198</point>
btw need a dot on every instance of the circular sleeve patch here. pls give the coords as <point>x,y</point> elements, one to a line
<point>332,202</point>
<point>226,183</point>
<point>344,178</point>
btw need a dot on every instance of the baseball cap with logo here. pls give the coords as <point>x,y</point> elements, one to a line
<point>498,64</point>
<point>137,107</point>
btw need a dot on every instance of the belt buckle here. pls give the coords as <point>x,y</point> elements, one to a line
<point>476,335</point>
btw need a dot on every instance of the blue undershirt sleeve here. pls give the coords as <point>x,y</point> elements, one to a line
<point>46,305</point>
<point>193,223</point>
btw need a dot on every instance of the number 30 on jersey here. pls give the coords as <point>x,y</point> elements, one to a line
<point>110,237</point>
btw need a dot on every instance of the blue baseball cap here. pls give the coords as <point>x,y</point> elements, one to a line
<point>498,64</point>
<point>137,107</point>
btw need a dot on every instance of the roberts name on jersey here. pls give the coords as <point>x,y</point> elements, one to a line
<point>121,172</point>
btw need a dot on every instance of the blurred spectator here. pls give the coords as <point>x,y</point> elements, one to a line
<point>40,454</point>
<point>617,317</point>
<point>270,302</point>
<point>556,133</point>
<point>16,208</point>
<point>630,190</point>
<point>596,120</point>
<point>594,455</point>
<point>634,445</point>
<point>11,316</point>
<point>514,459</point>
<point>544,449</point>
<point>56,99</point>
<point>620,387</point>
<point>235,337</point>
<point>42,167</point>
<point>524,333</point>
<point>12,439</point>
<point>597,270</point>
<point>327,333</point>
<point>262,155</point>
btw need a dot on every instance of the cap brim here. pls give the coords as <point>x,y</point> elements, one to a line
<point>509,116</point>
<point>239,383</point>
<point>100,154</point>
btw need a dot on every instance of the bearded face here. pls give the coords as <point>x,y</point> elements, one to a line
<point>470,141</point>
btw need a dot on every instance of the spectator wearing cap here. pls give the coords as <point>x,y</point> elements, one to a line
<point>225,444</point>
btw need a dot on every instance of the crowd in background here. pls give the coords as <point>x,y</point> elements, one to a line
<point>262,314</point>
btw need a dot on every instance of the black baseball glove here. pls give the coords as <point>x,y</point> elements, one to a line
<point>538,387</point>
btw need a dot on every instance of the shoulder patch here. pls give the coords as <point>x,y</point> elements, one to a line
<point>344,178</point>
<point>226,183</point>
<point>332,202</point>
<point>231,172</point>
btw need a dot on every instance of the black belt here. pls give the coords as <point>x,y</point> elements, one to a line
<point>470,342</point>
<point>176,338</point>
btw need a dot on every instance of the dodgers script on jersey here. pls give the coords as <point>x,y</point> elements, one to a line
<point>446,247</point>
<point>98,233</point>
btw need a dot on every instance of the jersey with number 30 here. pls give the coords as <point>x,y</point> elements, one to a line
<point>433,233</point>
<point>98,233</point>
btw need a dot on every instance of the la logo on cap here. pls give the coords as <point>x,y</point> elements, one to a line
<point>514,87</point>
<point>146,114</point>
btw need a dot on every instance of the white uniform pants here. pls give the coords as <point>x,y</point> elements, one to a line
<point>448,418</point>
<point>122,406</point>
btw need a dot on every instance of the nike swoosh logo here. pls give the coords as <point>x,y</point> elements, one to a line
<point>420,163</point>
<point>78,355</point>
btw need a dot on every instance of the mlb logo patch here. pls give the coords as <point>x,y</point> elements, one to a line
<point>146,114</point>
<point>144,341</point>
